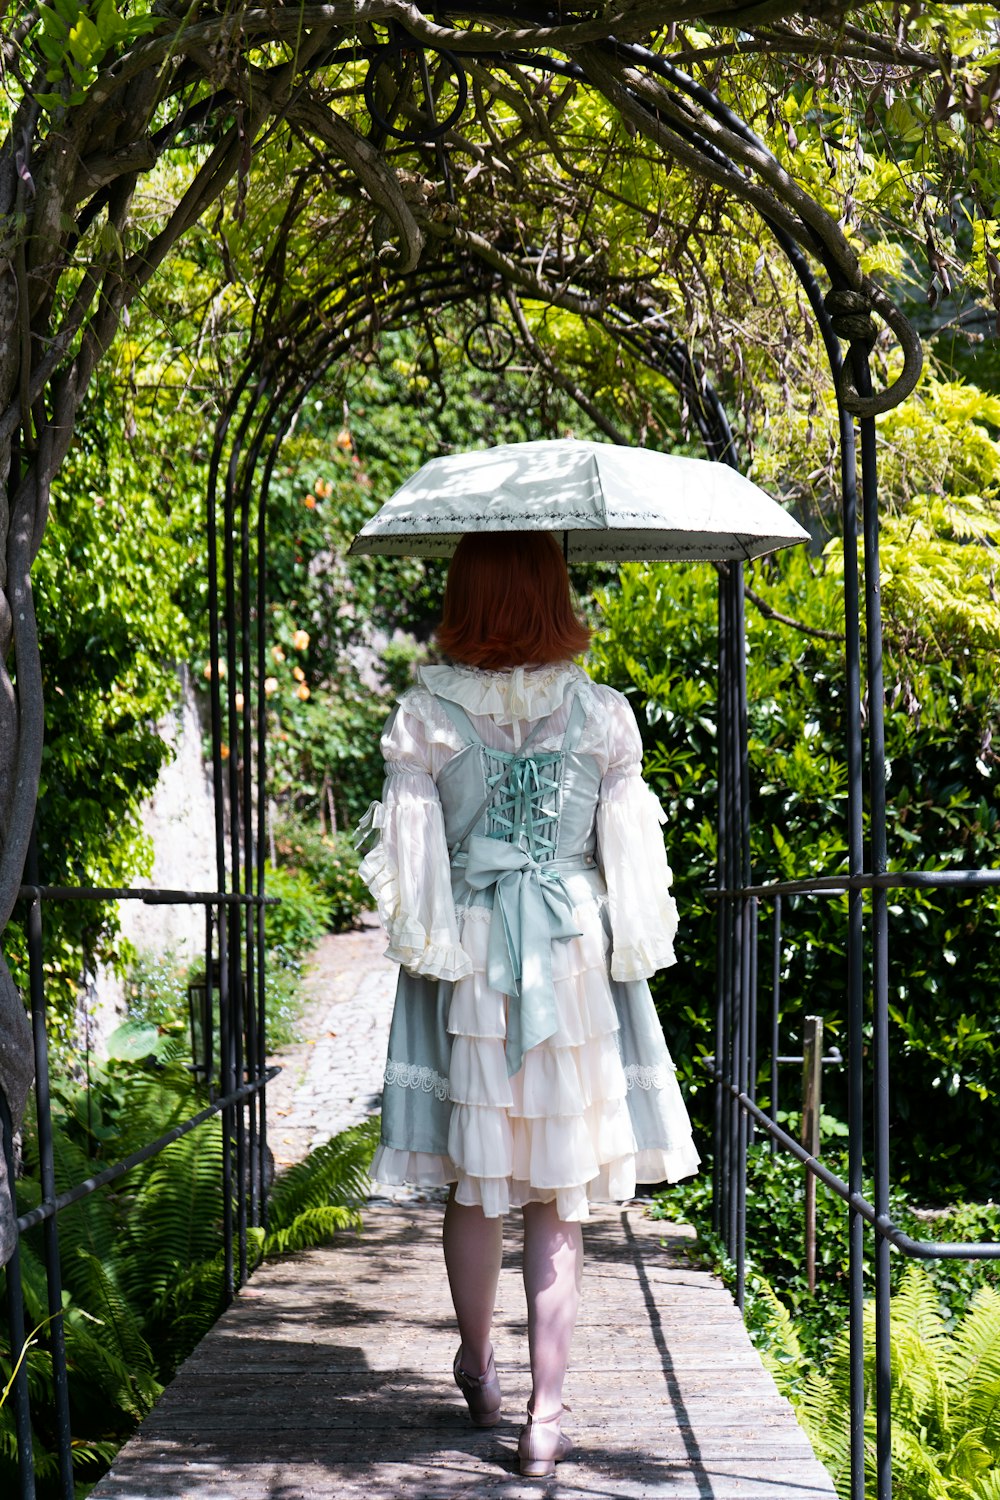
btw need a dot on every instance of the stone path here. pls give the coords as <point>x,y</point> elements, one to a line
<point>333,1077</point>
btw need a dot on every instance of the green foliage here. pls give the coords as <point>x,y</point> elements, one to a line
<point>141,1259</point>
<point>945,1398</point>
<point>945,1328</point>
<point>331,863</point>
<point>305,912</point>
<point>113,593</point>
<point>315,1198</point>
<point>72,38</point>
<point>658,646</point>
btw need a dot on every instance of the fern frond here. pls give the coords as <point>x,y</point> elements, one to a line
<point>34,1285</point>
<point>313,1226</point>
<point>89,1451</point>
<point>916,1308</point>
<point>115,1324</point>
<point>41,1381</point>
<point>972,1360</point>
<point>773,1332</point>
<point>101,1373</point>
<point>921,1399</point>
<point>156,1102</point>
<point>823,1412</point>
<point>186,1311</point>
<point>174,1219</point>
<point>915,1468</point>
<point>335,1173</point>
<point>90,1226</point>
<point>969,1458</point>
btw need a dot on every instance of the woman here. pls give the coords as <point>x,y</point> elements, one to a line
<point>521,876</point>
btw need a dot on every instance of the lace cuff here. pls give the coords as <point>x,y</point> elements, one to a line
<point>433,955</point>
<point>642,911</point>
<point>407,873</point>
<point>642,960</point>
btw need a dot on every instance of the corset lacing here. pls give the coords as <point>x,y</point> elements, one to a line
<point>525,810</point>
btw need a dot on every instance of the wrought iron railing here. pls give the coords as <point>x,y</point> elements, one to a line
<point>867,884</point>
<point>239,1099</point>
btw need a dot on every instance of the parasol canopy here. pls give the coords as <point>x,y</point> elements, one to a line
<point>604,502</point>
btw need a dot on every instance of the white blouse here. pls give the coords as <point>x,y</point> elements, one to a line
<point>408,870</point>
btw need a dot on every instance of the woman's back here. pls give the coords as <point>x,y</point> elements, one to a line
<point>520,873</point>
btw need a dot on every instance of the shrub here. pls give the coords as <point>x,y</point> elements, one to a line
<point>945,1398</point>
<point>331,863</point>
<point>304,915</point>
<point>659,647</point>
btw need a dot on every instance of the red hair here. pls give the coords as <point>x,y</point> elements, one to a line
<point>507,602</point>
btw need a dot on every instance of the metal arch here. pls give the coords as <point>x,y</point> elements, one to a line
<point>263,412</point>
<point>736,1008</point>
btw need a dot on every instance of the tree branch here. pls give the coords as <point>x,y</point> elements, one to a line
<point>775,614</point>
<point>555,374</point>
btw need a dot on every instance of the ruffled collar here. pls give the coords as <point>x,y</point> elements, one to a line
<point>507,697</point>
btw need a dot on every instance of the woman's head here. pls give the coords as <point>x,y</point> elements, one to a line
<point>507,602</point>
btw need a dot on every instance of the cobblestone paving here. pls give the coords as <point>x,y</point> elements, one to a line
<point>333,1077</point>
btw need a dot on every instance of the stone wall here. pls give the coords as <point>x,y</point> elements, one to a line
<point>179,820</point>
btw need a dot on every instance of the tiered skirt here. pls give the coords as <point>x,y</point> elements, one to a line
<point>593,1111</point>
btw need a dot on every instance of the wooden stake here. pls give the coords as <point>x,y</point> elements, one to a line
<point>812,1104</point>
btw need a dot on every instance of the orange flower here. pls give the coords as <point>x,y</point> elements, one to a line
<point>300,640</point>
<point>310,502</point>
<point>220,668</point>
<point>302,691</point>
<point>344,440</point>
<point>270,685</point>
<point>239,703</point>
<point>277,653</point>
<point>224,751</point>
<point>298,674</point>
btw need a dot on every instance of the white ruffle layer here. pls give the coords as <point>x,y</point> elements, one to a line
<point>560,1128</point>
<point>506,697</point>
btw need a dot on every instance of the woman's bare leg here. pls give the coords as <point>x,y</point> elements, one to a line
<point>473,1248</point>
<point>553,1273</point>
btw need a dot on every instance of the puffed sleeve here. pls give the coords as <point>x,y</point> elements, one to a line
<point>629,818</point>
<point>407,869</point>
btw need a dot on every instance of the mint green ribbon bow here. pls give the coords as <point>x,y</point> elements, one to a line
<point>531,909</point>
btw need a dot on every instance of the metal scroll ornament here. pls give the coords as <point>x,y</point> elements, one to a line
<point>489,345</point>
<point>414,94</point>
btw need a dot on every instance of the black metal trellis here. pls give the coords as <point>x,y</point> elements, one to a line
<point>737,1111</point>
<point>258,415</point>
<point>234,950</point>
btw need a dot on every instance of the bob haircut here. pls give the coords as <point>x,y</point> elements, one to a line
<point>507,602</point>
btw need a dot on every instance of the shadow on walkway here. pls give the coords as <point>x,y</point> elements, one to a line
<point>331,1377</point>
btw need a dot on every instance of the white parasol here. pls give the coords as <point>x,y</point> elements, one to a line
<point>602,500</point>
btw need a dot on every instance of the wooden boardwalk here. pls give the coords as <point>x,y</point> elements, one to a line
<point>330,1379</point>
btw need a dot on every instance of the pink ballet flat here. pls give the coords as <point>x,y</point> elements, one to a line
<point>482,1392</point>
<point>541,1445</point>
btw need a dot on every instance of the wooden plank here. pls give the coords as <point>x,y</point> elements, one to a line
<point>329,1379</point>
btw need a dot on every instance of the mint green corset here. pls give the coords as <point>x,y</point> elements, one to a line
<point>520,827</point>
